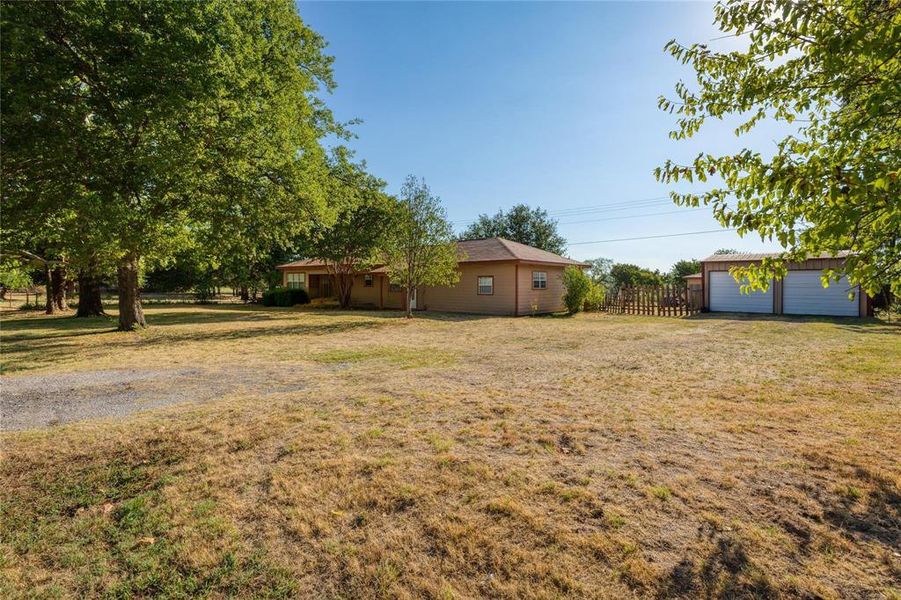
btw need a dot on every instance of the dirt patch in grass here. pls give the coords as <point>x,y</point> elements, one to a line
<point>518,458</point>
<point>34,401</point>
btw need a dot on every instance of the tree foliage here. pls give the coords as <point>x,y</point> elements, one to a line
<point>364,221</point>
<point>599,271</point>
<point>164,121</point>
<point>530,226</point>
<point>421,250</point>
<point>625,274</point>
<point>833,69</point>
<point>681,268</point>
<point>577,285</point>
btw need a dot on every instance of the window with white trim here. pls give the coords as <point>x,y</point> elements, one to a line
<point>539,280</point>
<point>486,285</point>
<point>297,280</point>
<point>367,280</point>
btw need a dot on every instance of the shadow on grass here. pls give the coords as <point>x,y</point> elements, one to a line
<point>725,572</point>
<point>875,517</point>
<point>863,325</point>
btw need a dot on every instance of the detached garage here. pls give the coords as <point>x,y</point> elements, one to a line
<point>799,293</point>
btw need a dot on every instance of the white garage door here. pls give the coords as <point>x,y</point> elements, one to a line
<point>803,294</point>
<point>726,296</point>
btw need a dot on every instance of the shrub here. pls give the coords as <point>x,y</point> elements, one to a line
<point>594,299</point>
<point>577,285</point>
<point>285,297</point>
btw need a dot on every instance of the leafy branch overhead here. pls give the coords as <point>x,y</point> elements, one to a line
<point>831,70</point>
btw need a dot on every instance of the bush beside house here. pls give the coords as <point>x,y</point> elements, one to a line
<point>285,297</point>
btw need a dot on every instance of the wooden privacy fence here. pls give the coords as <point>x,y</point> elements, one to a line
<point>659,300</point>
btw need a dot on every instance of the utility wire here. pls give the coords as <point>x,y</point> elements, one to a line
<point>599,208</point>
<point>672,212</point>
<point>650,237</point>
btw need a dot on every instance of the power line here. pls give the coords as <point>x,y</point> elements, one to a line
<point>672,212</point>
<point>598,208</point>
<point>650,237</point>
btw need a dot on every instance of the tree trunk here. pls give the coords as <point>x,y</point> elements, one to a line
<point>50,308</point>
<point>245,296</point>
<point>90,304</point>
<point>409,302</point>
<point>131,314</point>
<point>344,283</point>
<point>58,280</point>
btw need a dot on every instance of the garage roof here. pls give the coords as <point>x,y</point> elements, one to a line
<point>751,256</point>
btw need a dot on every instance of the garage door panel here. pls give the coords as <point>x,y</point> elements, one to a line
<point>803,294</point>
<point>726,296</point>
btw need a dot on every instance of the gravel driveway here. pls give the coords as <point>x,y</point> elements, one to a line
<point>37,401</point>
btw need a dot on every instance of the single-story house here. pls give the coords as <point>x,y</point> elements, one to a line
<point>497,277</point>
<point>800,293</point>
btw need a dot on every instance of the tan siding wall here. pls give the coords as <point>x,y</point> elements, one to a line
<point>360,295</point>
<point>540,301</point>
<point>393,300</point>
<point>464,296</point>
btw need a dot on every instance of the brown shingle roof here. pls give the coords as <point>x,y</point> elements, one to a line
<point>490,249</point>
<point>751,256</point>
<point>484,250</point>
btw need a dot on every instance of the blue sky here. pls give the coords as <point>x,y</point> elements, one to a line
<point>550,104</point>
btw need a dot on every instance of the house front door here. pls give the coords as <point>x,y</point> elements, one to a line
<point>325,286</point>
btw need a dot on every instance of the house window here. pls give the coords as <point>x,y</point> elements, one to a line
<point>297,280</point>
<point>486,285</point>
<point>367,280</point>
<point>394,288</point>
<point>539,280</point>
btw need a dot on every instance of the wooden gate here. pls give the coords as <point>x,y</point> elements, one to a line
<point>663,300</point>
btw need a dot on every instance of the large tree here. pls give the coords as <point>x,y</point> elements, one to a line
<point>682,268</point>
<point>625,274</point>
<point>599,271</point>
<point>361,230</point>
<point>421,250</point>
<point>833,70</point>
<point>178,119</point>
<point>531,226</point>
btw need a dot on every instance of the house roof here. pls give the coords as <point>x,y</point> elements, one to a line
<point>496,248</point>
<point>750,256</point>
<point>482,250</point>
<point>692,276</point>
<point>318,264</point>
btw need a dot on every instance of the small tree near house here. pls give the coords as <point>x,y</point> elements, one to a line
<point>577,285</point>
<point>365,216</point>
<point>421,250</point>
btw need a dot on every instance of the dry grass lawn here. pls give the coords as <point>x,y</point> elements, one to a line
<point>453,457</point>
